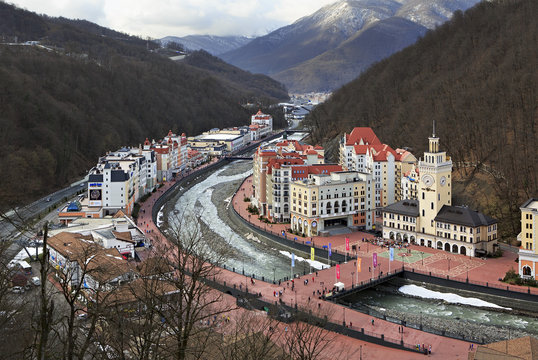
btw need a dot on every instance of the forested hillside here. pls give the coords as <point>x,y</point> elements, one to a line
<point>86,90</point>
<point>477,77</point>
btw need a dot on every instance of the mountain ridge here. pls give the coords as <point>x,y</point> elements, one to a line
<point>290,54</point>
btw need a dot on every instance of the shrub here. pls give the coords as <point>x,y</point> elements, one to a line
<point>246,199</point>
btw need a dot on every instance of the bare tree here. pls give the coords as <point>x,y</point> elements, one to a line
<point>195,256</point>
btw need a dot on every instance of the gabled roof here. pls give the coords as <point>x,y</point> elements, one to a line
<point>362,136</point>
<point>461,215</point>
<point>404,207</point>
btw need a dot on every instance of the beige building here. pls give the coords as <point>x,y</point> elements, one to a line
<point>431,220</point>
<point>343,198</point>
<point>362,151</point>
<point>528,252</point>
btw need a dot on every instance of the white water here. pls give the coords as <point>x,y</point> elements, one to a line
<point>415,290</point>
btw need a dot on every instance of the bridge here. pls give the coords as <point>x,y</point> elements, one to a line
<point>238,157</point>
<point>363,285</point>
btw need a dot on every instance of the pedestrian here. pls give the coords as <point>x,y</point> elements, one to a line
<point>350,324</point>
<point>372,322</point>
<point>430,350</point>
<point>398,329</point>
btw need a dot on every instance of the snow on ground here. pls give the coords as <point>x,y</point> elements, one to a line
<point>160,216</point>
<point>23,254</point>
<point>415,290</point>
<point>315,264</point>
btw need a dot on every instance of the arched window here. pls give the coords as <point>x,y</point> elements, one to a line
<point>527,271</point>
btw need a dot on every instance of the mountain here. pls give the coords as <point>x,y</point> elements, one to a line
<point>253,86</point>
<point>322,51</point>
<point>476,77</point>
<point>215,45</point>
<point>70,91</point>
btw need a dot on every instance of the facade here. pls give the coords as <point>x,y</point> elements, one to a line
<point>268,186</point>
<point>232,140</point>
<point>262,119</point>
<point>528,253</point>
<point>409,185</point>
<point>431,220</point>
<point>326,200</point>
<point>362,151</point>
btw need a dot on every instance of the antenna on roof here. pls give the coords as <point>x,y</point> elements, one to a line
<point>433,128</point>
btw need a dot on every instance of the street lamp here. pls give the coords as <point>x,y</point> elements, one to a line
<point>273,275</point>
<point>422,255</point>
<point>352,283</point>
<point>448,264</point>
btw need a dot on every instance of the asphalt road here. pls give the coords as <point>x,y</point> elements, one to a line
<point>14,229</point>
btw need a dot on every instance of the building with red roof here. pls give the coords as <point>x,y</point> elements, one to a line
<point>361,150</point>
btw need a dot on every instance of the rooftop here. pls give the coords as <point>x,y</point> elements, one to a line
<point>404,207</point>
<point>461,215</point>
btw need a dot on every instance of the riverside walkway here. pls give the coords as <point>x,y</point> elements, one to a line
<point>305,295</point>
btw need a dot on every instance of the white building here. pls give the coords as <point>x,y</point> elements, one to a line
<point>262,119</point>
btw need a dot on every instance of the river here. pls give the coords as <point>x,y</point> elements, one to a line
<point>250,252</point>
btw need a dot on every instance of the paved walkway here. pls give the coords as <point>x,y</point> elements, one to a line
<point>302,295</point>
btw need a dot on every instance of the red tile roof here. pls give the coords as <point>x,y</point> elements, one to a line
<point>364,135</point>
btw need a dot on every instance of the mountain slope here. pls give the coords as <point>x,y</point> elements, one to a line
<point>476,77</point>
<point>214,45</point>
<point>79,94</point>
<point>309,36</point>
<point>254,87</point>
<point>318,52</point>
<point>375,42</point>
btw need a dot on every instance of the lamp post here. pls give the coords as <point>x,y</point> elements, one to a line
<point>273,275</point>
<point>422,255</point>
<point>448,264</point>
<point>352,283</point>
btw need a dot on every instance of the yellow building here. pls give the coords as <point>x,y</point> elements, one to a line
<point>431,220</point>
<point>325,201</point>
<point>528,252</point>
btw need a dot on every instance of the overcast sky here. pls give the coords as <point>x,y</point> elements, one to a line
<point>159,18</point>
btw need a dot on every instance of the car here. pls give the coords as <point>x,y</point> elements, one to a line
<point>36,280</point>
<point>48,199</point>
<point>17,289</point>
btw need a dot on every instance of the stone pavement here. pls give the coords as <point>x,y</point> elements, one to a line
<point>443,348</point>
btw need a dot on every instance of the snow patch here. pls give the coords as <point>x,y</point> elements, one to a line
<point>415,290</point>
<point>315,264</point>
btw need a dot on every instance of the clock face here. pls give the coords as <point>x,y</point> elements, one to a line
<point>442,181</point>
<point>428,180</point>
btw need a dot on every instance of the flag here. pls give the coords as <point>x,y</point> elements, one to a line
<point>330,252</point>
<point>292,260</point>
<point>312,253</point>
<point>391,254</point>
<point>374,260</point>
<point>359,260</point>
<point>337,272</point>
<point>347,244</point>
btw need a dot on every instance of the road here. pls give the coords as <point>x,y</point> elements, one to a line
<point>11,229</point>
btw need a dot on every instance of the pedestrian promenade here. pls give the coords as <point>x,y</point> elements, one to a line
<point>304,294</point>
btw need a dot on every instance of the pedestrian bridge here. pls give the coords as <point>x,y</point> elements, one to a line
<point>365,284</point>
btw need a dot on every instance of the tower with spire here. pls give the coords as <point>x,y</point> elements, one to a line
<point>435,188</point>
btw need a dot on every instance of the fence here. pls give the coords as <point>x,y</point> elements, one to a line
<point>516,292</point>
<point>289,312</point>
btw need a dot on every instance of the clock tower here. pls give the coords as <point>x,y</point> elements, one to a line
<point>435,185</point>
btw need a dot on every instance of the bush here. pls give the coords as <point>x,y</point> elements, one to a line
<point>253,210</point>
<point>513,278</point>
<point>246,199</point>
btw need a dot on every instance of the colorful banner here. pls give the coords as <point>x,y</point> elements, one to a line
<point>292,260</point>
<point>330,250</point>
<point>347,244</point>
<point>374,260</point>
<point>359,260</point>
<point>337,272</point>
<point>312,254</point>
<point>391,254</point>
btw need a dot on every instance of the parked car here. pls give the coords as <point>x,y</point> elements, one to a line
<point>36,280</point>
<point>17,289</point>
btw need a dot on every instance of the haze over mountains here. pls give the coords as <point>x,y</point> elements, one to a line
<point>334,45</point>
<point>215,45</point>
